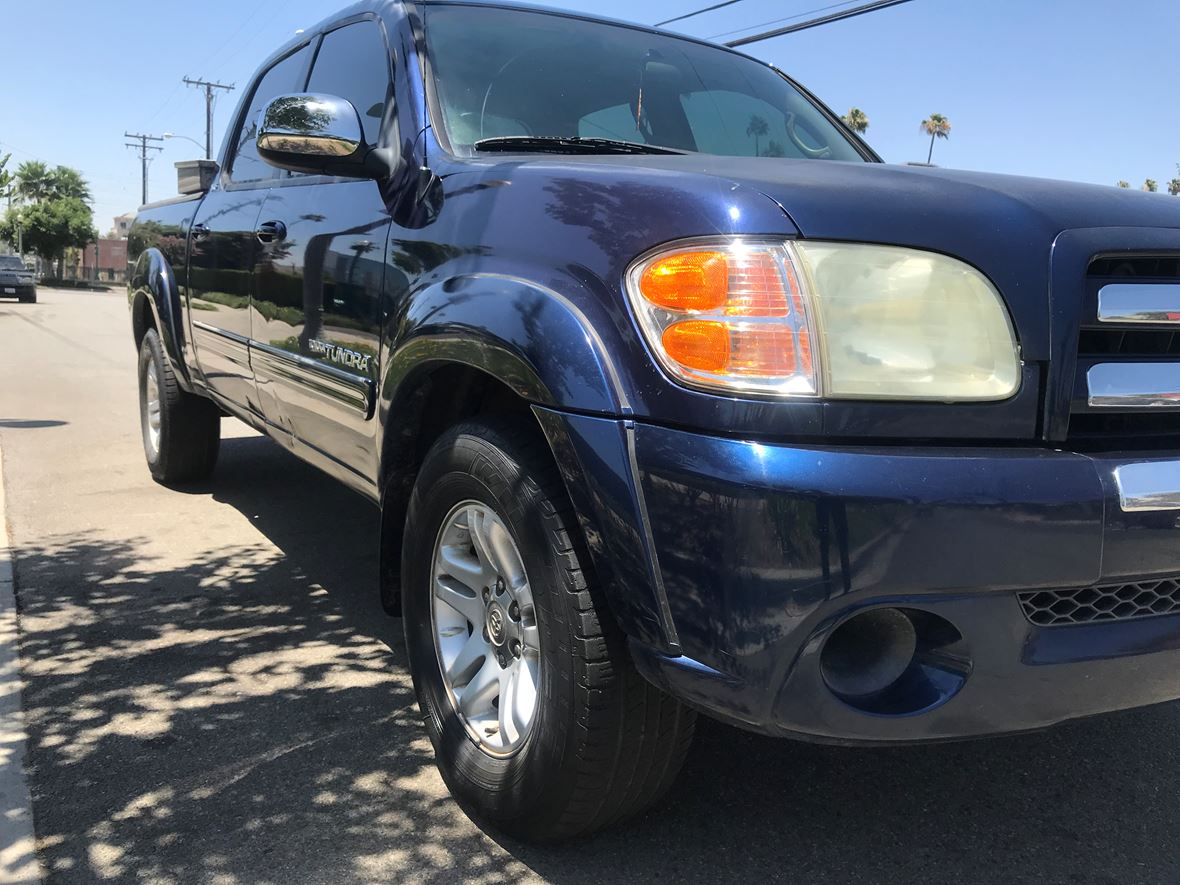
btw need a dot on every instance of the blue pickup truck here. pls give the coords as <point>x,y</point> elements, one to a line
<point>675,398</point>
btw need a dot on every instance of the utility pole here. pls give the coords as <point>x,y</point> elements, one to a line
<point>144,157</point>
<point>208,87</point>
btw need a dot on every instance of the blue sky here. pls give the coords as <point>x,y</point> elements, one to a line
<point>1084,90</point>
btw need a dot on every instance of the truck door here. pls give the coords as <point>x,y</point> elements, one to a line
<point>317,310</point>
<point>224,245</point>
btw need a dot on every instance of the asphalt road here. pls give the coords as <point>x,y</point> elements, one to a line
<point>213,694</point>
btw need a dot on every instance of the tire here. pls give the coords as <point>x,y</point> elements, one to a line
<point>182,446</point>
<point>30,298</point>
<point>602,743</point>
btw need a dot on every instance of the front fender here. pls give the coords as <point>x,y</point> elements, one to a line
<point>153,287</point>
<point>545,347</point>
<point>532,338</point>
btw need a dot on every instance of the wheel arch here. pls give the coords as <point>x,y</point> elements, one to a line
<point>496,344</point>
<point>155,303</point>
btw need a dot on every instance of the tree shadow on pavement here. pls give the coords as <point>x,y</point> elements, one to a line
<point>248,718</point>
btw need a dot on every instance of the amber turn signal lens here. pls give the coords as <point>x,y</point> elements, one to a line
<point>687,281</point>
<point>698,344</point>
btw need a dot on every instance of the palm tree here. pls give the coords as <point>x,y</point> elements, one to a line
<point>936,126</point>
<point>1151,186</point>
<point>1124,184</point>
<point>67,182</point>
<point>856,120</point>
<point>32,181</point>
<point>1174,187</point>
<point>757,128</point>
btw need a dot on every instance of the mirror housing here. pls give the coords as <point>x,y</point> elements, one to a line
<point>318,134</point>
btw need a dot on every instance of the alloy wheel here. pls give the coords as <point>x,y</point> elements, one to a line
<point>485,628</point>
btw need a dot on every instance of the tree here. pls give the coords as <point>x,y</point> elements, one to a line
<point>856,120</point>
<point>936,126</point>
<point>5,175</point>
<point>67,183</point>
<point>50,227</point>
<point>757,128</point>
<point>35,182</point>
<point>1151,186</point>
<point>32,181</point>
<point>1174,187</point>
<point>1124,184</point>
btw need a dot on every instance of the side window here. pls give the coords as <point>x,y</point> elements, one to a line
<point>286,76</point>
<point>353,63</point>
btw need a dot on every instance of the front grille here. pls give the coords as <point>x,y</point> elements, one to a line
<point>1093,429</point>
<point>1129,266</point>
<point>1112,602</point>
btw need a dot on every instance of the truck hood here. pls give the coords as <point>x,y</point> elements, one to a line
<point>937,208</point>
<point>1004,225</point>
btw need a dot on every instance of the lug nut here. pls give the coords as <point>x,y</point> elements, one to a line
<point>487,594</point>
<point>516,649</point>
<point>499,585</point>
<point>514,611</point>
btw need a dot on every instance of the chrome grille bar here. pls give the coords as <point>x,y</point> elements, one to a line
<point>1134,385</point>
<point>1139,304</point>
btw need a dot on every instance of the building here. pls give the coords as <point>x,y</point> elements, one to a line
<point>104,261</point>
<point>122,225</point>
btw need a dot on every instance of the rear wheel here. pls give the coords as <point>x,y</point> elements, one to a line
<point>29,297</point>
<point>181,431</point>
<point>541,725</point>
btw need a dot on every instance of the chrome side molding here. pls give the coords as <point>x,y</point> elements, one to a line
<point>1134,385</point>
<point>1149,485</point>
<point>1142,303</point>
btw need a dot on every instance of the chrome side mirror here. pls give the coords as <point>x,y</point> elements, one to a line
<point>313,133</point>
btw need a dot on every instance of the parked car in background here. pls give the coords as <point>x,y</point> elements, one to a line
<point>667,412</point>
<point>16,280</point>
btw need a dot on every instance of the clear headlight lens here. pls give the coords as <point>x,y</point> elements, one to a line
<point>835,320</point>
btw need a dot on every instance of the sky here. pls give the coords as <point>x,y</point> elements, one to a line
<point>1084,90</point>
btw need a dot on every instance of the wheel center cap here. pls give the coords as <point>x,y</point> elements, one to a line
<point>497,622</point>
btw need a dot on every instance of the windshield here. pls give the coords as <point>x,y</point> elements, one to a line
<point>504,73</point>
<point>11,262</point>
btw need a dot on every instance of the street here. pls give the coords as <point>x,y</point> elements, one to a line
<point>213,694</point>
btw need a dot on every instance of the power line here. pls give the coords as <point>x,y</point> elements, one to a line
<point>788,18</point>
<point>816,22</point>
<point>144,157</point>
<point>208,86</point>
<point>678,18</point>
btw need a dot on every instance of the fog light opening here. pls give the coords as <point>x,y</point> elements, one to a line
<point>869,652</point>
<point>895,661</point>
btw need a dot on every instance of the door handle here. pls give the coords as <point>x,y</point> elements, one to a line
<point>271,232</point>
<point>199,231</point>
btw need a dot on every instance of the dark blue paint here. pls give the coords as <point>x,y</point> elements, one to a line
<point>732,535</point>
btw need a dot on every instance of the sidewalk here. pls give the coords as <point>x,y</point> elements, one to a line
<point>18,859</point>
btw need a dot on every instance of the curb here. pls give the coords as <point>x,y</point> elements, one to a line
<point>19,863</point>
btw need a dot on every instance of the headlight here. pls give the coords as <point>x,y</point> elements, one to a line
<point>834,320</point>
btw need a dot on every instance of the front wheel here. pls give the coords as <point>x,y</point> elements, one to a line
<point>181,431</point>
<point>540,722</point>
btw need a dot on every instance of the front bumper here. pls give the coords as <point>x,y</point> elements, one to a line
<point>15,289</point>
<point>764,550</point>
